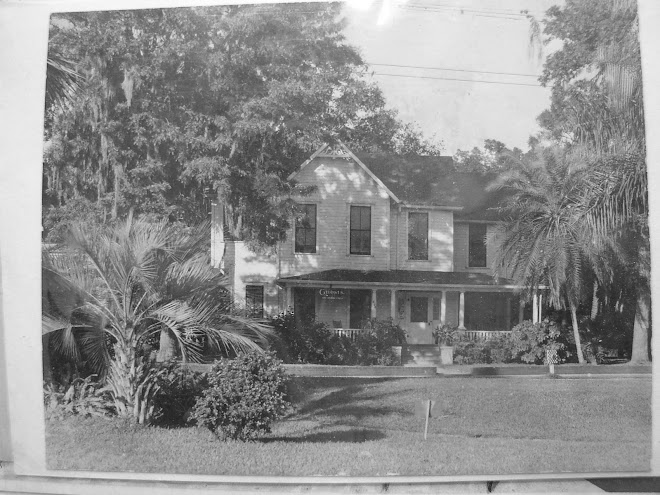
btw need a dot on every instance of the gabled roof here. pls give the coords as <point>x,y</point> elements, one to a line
<point>339,150</point>
<point>434,181</point>
<point>426,181</point>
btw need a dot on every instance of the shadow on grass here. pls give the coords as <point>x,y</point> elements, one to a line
<point>345,436</point>
<point>349,399</point>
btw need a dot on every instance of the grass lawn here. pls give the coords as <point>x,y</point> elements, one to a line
<point>367,427</point>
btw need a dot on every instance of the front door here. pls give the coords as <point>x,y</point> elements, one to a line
<point>419,330</point>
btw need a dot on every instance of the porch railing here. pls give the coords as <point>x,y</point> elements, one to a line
<point>483,334</point>
<point>351,333</point>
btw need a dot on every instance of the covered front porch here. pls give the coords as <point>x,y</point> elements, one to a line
<point>479,305</point>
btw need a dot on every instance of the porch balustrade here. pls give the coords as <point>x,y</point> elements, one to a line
<point>483,334</point>
<point>351,333</point>
<point>475,335</point>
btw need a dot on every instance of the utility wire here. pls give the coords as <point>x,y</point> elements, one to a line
<point>486,9</point>
<point>455,70</point>
<point>457,79</point>
<point>437,8</point>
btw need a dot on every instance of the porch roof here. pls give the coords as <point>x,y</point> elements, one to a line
<point>402,279</point>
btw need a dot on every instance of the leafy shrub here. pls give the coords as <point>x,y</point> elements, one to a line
<point>492,351</point>
<point>179,389</point>
<point>313,342</point>
<point>374,345</point>
<point>531,340</point>
<point>302,341</point>
<point>446,334</point>
<point>83,397</point>
<point>245,395</point>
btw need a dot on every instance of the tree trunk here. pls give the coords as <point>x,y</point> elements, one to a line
<point>115,202</point>
<point>640,346</point>
<point>576,334</point>
<point>167,351</point>
<point>594,301</point>
<point>45,358</point>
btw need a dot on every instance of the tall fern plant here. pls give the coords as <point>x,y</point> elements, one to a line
<point>134,281</point>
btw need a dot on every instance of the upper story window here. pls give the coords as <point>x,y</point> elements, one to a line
<point>418,236</point>
<point>477,245</point>
<point>254,300</point>
<point>306,229</point>
<point>360,230</point>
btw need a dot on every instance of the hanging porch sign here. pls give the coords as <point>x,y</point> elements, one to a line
<point>332,294</point>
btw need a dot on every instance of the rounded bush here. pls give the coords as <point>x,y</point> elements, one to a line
<point>245,395</point>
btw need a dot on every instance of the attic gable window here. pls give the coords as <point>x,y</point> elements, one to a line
<point>477,245</point>
<point>360,230</point>
<point>306,229</point>
<point>418,236</point>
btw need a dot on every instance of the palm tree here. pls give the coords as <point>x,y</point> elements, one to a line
<point>132,282</point>
<point>606,131</point>
<point>545,240</point>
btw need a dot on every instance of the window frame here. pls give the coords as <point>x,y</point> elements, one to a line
<point>297,228</point>
<point>249,296</point>
<point>410,236</point>
<point>361,230</point>
<point>473,241</point>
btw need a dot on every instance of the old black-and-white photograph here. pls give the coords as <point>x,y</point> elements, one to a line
<point>355,239</point>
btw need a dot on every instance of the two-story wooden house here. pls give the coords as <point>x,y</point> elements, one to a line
<point>382,236</point>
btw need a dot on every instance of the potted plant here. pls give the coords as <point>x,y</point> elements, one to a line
<point>444,337</point>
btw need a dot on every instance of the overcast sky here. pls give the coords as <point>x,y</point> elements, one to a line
<point>470,35</point>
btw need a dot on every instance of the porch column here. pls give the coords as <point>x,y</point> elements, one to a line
<point>373,304</point>
<point>393,304</point>
<point>288,302</point>
<point>535,308</point>
<point>540,307</point>
<point>521,310</point>
<point>461,311</point>
<point>443,308</point>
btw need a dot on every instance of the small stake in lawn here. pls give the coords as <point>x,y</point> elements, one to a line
<point>423,409</point>
<point>551,358</point>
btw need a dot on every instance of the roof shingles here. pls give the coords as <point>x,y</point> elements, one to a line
<point>434,181</point>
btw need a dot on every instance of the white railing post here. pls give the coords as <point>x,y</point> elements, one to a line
<point>461,311</point>
<point>393,305</point>
<point>373,304</point>
<point>443,307</point>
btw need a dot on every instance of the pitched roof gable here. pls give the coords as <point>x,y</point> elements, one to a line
<point>339,150</point>
<point>430,181</point>
<point>435,181</point>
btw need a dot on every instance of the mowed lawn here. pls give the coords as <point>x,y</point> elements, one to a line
<point>367,427</point>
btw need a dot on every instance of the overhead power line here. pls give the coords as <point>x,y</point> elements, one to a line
<point>440,8</point>
<point>455,70</point>
<point>480,9</point>
<point>457,79</point>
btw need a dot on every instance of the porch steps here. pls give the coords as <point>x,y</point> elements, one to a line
<point>420,355</point>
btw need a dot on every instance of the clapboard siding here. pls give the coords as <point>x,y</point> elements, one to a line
<point>441,244</point>
<point>340,183</point>
<point>249,268</point>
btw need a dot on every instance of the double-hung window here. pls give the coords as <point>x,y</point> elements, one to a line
<point>360,230</point>
<point>254,300</point>
<point>306,229</point>
<point>418,236</point>
<point>477,245</point>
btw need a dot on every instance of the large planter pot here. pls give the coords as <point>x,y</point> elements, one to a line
<point>446,355</point>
